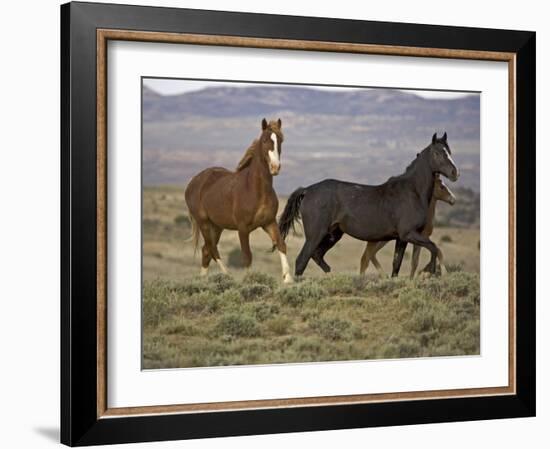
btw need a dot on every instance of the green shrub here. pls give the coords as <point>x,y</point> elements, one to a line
<point>446,238</point>
<point>332,328</point>
<point>401,348</point>
<point>454,267</point>
<point>237,325</point>
<point>460,284</point>
<point>385,286</point>
<point>256,277</point>
<point>159,302</point>
<point>204,302</point>
<point>296,295</point>
<point>264,310</point>
<point>192,286</point>
<point>340,283</point>
<point>252,292</point>
<point>231,297</point>
<point>221,282</point>
<point>181,327</point>
<point>279,325</point>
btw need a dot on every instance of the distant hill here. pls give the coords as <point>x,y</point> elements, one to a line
<point>358,135</point>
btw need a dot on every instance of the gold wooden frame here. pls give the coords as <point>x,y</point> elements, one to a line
<point>104,35</point>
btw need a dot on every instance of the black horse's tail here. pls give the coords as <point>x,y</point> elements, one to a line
<point>291,213</point>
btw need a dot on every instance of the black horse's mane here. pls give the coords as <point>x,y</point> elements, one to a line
<point>410,168</point>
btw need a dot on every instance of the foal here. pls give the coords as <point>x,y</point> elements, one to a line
<point>441,193</point>
<point>243,200</point>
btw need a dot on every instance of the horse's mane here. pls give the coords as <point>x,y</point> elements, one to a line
<point>248,155</point>
<point>410,168</point>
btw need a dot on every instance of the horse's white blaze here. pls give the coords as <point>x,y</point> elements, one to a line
<point>274,154</point>
<point>451,160</point>
<point>204,271</point>
<point>287,278</point>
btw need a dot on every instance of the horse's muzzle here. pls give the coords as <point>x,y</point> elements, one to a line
<point>454,175</point>
<point>274,169</point>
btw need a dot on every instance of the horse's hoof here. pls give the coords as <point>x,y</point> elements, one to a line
<point>288,279</point>
<point>424,274</point>
<point>204,271</point>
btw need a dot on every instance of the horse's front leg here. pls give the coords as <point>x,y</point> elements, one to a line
<point>244,236</point>
<point>272,230</point>
<point>417,238</point>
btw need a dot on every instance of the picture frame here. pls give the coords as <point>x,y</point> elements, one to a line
<point>86,28</point>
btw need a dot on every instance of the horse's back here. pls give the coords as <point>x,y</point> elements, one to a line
<point>202,182</point>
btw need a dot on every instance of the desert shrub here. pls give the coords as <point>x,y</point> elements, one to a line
<point>181,327</point>
<point>192,286</point>
<point>159,302</point>
<point>385,286</point>
<point>279,325</point>
<point>460,284</point>
<point>264,310</point>
<point>308,345</point>
<point>235,259</point>
<point>231,297</point>
<point>413,297</point>
<point>454,267</point>
<point>203,303</point>
<point>421,320</point>
<point>401,348</point>
<point>332,328</point>
<point>237,325</point>
<point>256,277</point>
<point>344,284</point>
<point>446,238</point>
<point>254,291</point>
<point>220,282</point>
<point>296,295</point>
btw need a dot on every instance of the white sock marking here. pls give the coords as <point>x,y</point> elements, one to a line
<point>287,278</point>
<point>222,266</point>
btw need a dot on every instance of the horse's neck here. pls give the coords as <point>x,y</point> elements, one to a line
<point>428,228</point>
<point>424,182</point>
<point>260,177</point>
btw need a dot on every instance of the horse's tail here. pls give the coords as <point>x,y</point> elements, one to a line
<point>291,213</point>
<point>194,234</point>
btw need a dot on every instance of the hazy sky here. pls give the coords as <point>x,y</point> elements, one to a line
<point>175,86</point>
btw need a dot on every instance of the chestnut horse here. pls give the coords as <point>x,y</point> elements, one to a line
<point>241,200</point>
<point>441,193</point>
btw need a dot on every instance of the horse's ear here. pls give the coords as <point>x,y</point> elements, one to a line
<point>279,123</point>
<point>434,137</point>
<point>445,137</point>
<point>264,124</point>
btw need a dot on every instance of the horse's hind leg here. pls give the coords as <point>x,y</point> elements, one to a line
<point>414,260</point>
<point>400,246</point>
<point>307,251</point>
<point>272,230</point>
<point>211,234</point>
<point>370,255</point>
<point>326,244</point>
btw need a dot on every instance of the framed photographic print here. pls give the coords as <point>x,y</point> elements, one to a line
<point>277,224</point>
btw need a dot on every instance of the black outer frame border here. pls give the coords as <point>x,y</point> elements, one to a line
<point>79,422</point>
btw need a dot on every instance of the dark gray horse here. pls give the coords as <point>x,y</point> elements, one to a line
<point>397,209</point>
